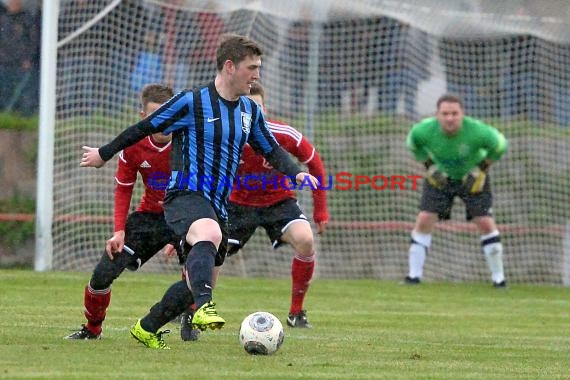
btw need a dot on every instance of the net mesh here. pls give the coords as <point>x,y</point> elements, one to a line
<point>353,80</point>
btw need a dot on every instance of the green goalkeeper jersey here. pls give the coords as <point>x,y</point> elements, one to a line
<point>456,154</point>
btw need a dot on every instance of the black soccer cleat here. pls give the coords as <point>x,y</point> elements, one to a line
<point>299,320</point>
<point>83,334</point>
<point>187,333</point>
<point>500,285</point>
<point>411,280</point>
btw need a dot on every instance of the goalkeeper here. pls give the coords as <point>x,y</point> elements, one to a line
<point>457,151</point>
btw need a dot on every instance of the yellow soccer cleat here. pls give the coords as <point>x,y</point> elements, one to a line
<point>207,317</point>
<point>149,339</point>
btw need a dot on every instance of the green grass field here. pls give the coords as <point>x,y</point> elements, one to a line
<point>363,330</point>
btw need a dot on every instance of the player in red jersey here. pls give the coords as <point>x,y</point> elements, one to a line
<point>262,198</point>
<point>144,232</point>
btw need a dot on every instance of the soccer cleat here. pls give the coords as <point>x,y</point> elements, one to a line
<point>83,334</point>
<point>299,320</point>
<point>207,317</point>
<point>187,333</point>
<point>411,280</point>
<point>149,339</point>
<point>500,285</point>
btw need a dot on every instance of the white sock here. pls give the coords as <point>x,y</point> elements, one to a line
<point>417,253</point>
<point>493,250</point>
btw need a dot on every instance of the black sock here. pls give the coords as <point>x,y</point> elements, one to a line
<point>176,300</point>
<point>199,265</point>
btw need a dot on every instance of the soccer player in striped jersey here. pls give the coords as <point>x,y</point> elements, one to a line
<point>457,151</point>
<point>210,127</point>
<point>262,198</point>
<point>144,232</point>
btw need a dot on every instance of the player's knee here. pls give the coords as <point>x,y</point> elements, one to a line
<point>212,237</point>
<point>425,222</point>
<point>485,224</point>
<point>204,230</point>
<point>303,244</point>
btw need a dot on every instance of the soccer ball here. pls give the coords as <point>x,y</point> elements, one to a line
<point>261,333</point>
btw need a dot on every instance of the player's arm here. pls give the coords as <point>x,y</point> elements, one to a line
<point>434,175</point>
<point>97,157</point>
<point>125,179</point>
<point>307,154</point>
<point>495,145</point>
<point>282,161</point>
<point>414,144</point>
<point>171,116</point>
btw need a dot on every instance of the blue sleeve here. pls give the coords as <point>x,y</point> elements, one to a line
<point>174,114</point>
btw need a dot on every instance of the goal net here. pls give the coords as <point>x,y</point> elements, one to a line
<point>353,78</point>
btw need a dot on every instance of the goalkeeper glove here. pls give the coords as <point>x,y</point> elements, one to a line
<point>475,180</point>
<point>435,177</point>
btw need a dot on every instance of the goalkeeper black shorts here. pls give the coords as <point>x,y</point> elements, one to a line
<point>440,201</point>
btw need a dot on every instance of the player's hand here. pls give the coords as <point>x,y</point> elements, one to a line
<point>475,180</point>
<point>91,158</point>
<point>321,226</point>
<point>170,251</point>
<point>115,244</point>
<point>302,178</point>
<point>435,177</point>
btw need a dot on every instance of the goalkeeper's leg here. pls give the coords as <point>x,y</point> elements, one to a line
<point>419,245</point>
<point>492,249</point>
<point>478,208</point>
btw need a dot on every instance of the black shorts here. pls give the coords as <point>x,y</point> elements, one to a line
<point>244,220</point>
<point>146,234</point>
<point>182,208</point>
<point>440,202</point>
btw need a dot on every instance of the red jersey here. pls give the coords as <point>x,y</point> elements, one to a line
<point>145,157</point>
<point>259,190</point>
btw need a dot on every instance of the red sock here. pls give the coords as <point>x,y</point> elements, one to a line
<point>96,303</point>
<point>301,274</point>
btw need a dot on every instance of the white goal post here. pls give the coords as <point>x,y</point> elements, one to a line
<point>44,197</point>
<point>353,77</point>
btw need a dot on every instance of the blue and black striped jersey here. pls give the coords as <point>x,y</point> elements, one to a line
<point>208,137</point>
<point>209,134</point>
